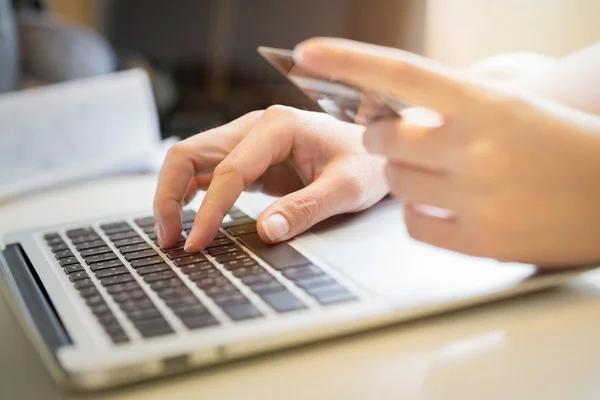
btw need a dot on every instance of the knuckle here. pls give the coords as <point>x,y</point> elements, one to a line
<point>225,168</point>
<point>177,150</point>
<point>277,111</point>
<point>304,208</point>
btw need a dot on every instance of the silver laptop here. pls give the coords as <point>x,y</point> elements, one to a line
<point>105,305</point>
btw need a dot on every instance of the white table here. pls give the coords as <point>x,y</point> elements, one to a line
<point>538,346</point>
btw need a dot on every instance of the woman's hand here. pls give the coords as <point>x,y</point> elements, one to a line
<point>317,158</point>
<point>520,175</point>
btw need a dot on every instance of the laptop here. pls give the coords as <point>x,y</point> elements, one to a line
<point>104,305</point>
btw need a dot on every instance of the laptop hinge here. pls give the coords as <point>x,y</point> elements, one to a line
<point>27,289</point>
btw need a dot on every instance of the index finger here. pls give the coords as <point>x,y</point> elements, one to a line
<point>184,160</point>
<point>400,74</point>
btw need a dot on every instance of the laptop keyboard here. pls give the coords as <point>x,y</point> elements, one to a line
<point>139,266</point>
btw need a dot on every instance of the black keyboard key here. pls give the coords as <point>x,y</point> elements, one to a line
<point>210,273</point>
<point>76,276</point>
<point>266,287</point>
<point>135,255</point>
<point>208,282</point>
<point>82,284</point>
<point>245,271</point>
<point>73,268</point>
<point>113,280</point>
<point>51,235</point>
<point>219,242</point>
<point>128,242</point>
<point>160,276</point>
<point>187,300</point>
<point>105,264</point>
<point>123,235</point>
<point>231,256</point>
<point>90,245</point>
<point>123,287</point>
<point>199,321</point>
<point>176,253</point>
<point>117,229</point>
<point>194,258</point>
<point>85,238</point>
<point>150,269</point>
<point>133,295</point>
<point>171,283</point>
<point>59,247</point>
<point>283,301</point>
<point>177,246</point>
<point>219,290</point>
<point>148,229</point>
<point>134,247</point>
<point>229,299</point>
<point>242,229</point>
<point>154,327</point>
<point>174,292</point>
<point>100,258</point>
<point>89,292</point>
<point>63,254</point>
<point>146,221</point>
<point>101,309</point>
<point>113,225</point>
<point>203,266</point>
<point>105,273</point>
<point>182,310</point>
<point>279,256</point>
<point>112,326</point>
<point>302,272</point>
<point>314,281</point>
<point>143,262</point>
<point>258,278</point>
<point>139,315</point>
<point>235,264</point>
<point>54,242</point>
<point>119,337</point>
<point>68,261</point>
<point>93,301</point>
<point>228,248</point>
<point>134,305</point>
<point>335,294</point>
<point>80,232</point>
<point>243,311</point>
<point>109,322</point>
<point>95,251</point>
<point>236,222</point>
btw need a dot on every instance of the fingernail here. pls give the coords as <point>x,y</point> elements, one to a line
<point>160,233</point>
<point>297,55</point>
<point>188,243</point>
<point>276,226</point>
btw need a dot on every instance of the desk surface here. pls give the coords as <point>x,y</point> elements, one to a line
<point>536,346</point>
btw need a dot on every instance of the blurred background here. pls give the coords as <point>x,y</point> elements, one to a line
<point>201,54</point>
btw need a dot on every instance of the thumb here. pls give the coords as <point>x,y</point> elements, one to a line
<point>300,210</point>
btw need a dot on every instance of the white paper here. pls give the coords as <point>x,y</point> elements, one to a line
<point>70,131</point>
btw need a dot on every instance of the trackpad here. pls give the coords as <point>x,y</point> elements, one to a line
<point>374,250</point>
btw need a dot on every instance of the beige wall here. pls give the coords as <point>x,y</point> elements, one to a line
<point>459,32</point>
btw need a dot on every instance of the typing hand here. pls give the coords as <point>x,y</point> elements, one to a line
<point>520,175</point>
<point>317,158</point>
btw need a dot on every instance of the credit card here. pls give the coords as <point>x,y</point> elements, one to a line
<point>341,100</point>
